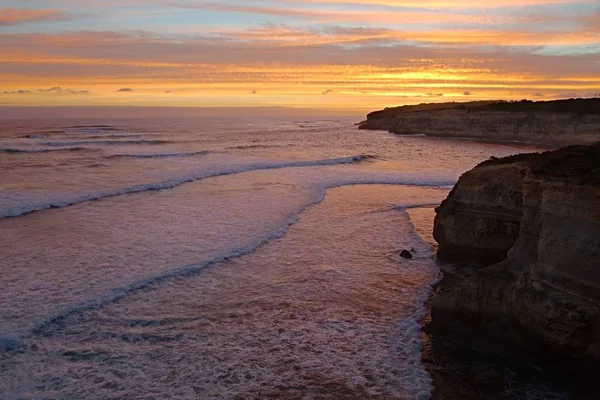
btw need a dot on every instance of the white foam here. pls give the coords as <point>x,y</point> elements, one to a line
<point>33,151</point>
<point>160,155</point>
<point>409,376</point>
<point>168,184</point>
<point>105,142</point>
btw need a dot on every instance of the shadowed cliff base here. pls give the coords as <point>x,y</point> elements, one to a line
<point>554,123</point>
<point>522,234</point>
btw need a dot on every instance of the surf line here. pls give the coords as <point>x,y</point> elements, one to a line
<point>15,340</point>
<point>170,184</point>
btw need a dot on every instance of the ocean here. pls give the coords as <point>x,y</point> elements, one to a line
<point>218,258</point>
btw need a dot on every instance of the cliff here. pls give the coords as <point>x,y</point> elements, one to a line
<point>555,123</point>
<point>523,236</point>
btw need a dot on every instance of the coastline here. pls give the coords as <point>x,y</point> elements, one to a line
<point>463,369</point>
<point>517,324</point>
<point>478,139</point>
<point>553,124</point>
<point>474,367</point>
<point>548,142</point>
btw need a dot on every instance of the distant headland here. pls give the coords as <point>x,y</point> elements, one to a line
<point>558,122</point>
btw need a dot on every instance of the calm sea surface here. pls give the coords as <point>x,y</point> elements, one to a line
<point>218,258</point>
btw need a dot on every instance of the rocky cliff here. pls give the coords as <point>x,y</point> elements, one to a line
<point>554,123</point>
<point>523,237</point>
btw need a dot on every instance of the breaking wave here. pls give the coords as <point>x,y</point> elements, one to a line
<point>33,151</point>
<point>169,184</point>
<point>15,340</point>
<point>160,155</point>
<point>254,146</point>
<point>106,142</point>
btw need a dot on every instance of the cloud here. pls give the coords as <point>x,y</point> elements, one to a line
<point>408,15</point>
<point>253,92</point>
<point>436,4</point>
<point>380,12</point>
<point>200,60</point>
<point>55,90</point>
<point>305,62</point>
<point>591,21</point>
<point>569,95</point>
<point>17,91</point>
<point>14,16</point>
<point>58,89</point>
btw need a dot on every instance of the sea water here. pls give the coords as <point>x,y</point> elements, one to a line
<point>218,258</point>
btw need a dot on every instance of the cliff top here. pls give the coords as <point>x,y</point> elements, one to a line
<point>578,164</point>
<point>580,106</point>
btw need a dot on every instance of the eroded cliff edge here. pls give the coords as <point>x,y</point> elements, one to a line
<point>552,123</point>
<point>522,237</point>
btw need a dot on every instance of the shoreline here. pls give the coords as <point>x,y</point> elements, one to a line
<point>476,367</point>
<point>515,312</point>
<point>552,124</point>
<point>476,139</point>
<point>473,367</point>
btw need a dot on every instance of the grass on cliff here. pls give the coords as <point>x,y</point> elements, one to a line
<point>577,164</point>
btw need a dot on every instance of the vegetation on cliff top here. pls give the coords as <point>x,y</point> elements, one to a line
<point>578,164</point>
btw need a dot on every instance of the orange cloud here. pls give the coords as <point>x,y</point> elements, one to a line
<point>13,16</point>
<point>336,35</point>
<point>287,65</point>
<point>338,15</point>
<point>447,4</point>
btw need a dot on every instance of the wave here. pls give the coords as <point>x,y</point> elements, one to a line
<point>115,136</point>
<point>106,142</point>
<point>10,341</point>
<point>254,146</point>
<point>408,329</point>
<point>101,130</point>
<point>181,272</point>
<point>33,151</point>
<point>160,155</point>
<point>94,127</point>
<point>42,134</point>
<point>416,206</point>
<point>169,184</point>
<point>311,126</point>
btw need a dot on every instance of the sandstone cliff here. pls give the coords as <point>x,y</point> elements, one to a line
<point>555,123</point>
<point>523,236</point>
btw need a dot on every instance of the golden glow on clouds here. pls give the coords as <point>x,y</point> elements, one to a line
<point>468,4</point>
<point>14,16</point>
<point>348,58</point>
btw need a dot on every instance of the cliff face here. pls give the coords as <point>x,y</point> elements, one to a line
<point>527,229</point>
<point>533,122</point>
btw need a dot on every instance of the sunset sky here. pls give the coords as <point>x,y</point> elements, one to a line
<point>344,54</point>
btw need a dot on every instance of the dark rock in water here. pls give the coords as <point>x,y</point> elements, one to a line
<point>406,254</point>
<point>526,230</point>
<point>9,344</point>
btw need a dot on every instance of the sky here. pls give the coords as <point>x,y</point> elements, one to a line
<point>338,54</point>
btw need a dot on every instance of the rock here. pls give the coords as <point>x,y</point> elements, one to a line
<point>10,344</point>
<point>526,230</point>
<point>406,254</point>
<point>548,122</point>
